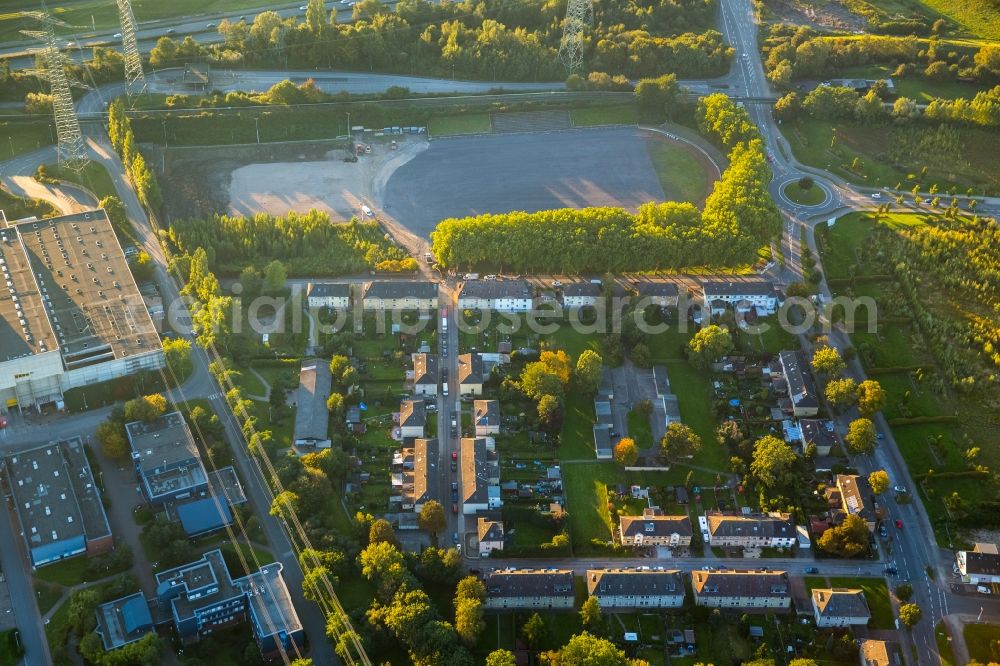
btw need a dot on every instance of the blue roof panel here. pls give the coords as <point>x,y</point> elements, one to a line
<point>204,515</point>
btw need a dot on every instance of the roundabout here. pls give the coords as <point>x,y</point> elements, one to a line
<point>815,195</point>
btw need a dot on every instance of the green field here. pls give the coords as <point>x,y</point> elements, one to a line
<point>621,114</point>
<point>967,161</point>
<point>811,197</point>
<point>684,175</point>
<point>10,647</point>
<point>983,642</point>
<point>467,123</point>
<point>93,177</point>
<point>978,17</point>
<point>84,15</point>
<point>639,429</point>
<point>23,137</point>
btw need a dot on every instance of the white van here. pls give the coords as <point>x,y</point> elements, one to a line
<point>367,211</point>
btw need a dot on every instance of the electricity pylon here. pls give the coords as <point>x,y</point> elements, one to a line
<point>70,138</point>
<point>134,76</point>
<point>579,17</point>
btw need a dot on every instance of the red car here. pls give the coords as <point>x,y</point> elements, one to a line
<point>899,524</point>
<point>454,455</point>
<point>454,508</point>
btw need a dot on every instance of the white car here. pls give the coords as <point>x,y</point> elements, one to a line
<point>899,489</point>
<point>877,195</point>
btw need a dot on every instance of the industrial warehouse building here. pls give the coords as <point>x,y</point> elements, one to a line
<point>70,311</point>
<point>57,501</point>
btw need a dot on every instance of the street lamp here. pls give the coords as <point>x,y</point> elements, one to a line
<point>256,122</point>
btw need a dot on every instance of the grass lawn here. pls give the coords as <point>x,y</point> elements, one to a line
<point>621,114</point>
<point>943,640</point>
<point>877,595</point>
<point>47,594</point>
<point>94,177</point>
<point>640,430</point>
<point>915,87</point>
<point>684,174</point>
<point>16,208</point>
<point>576,441</point>
<point>467,123</point>
<point>587,501</point>
<point>23,137</point>
<point>966,163</point>
<point>811,197</point>
<point>694,397</point>
<point>67,573</point>
<point>979,17</point>
<point>772,339</point>
<point>10,648</point>
<point>86,15</point>
<point>981,639</point>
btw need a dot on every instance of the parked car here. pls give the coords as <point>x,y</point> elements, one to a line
<point>891,571</point>
<point>454,496</point>
<point>454,455</point>
<point>899,524</point>
<point>454,537</point>
<point>812,570</point>
<point>899,489</point>
<point>882,532</point>
<point>454,508</point>
<point>454,466</point>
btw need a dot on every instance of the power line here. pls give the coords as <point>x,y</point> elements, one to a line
<point>579,17</point>
<point>134,76</point>
<point>70,138</point>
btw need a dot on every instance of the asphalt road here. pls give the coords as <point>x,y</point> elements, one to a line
<point>529,172</point>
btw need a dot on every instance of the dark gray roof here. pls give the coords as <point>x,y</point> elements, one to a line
<point>476,470</point>
<point>840,602</point>
<point>631,582</point>
<point>801,388</point>
<point>412,414</point>
<point>401,289</point>
<point>425,460</point>
<point>740,583</point>
<point>425,368</point>
<point>815,431</point>
<point>489,530</point>
<point>756,525</point>
<point>602,439</point>
<point>655,526</point>
<point>470,368</point>
<point>717,288</point>
<point>983,563</point>
<point>581,289</point>
<point>329,289</point>
<point>530,583</point>
<point>312,418</point>
<point>495,289</point>
<point>647,288</point>
<point>486,412</point>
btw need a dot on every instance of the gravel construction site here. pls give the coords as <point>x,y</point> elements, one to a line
<point>499,173</point>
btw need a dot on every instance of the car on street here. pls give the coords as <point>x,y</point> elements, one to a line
<point>882,532</point>
<point>556,283</point>
<point>171,32</point>
<point>880,436</point>
<point>812,570</point>
<point>899,489</point>
<point>454,508</point>
<point>877,195</point>
<point>454,455</point>
<point>891,571</point>
<point>454,537</point>
<point>454,466</point>
<point>899,524</point>
<point>454,496</point>
<point>210,26</point>
<point>117,35</point>
<point>454,485</point>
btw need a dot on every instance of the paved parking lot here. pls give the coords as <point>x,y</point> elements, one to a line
<point>461,176</point>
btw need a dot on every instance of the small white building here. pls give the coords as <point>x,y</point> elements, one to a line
<point>412,418</point>
<point>576,295</point>
<point>981,565</point>
<point>490,535</point>
<point>743,296</point>
<point>840,607</point>
<point>470,374</point>
<point>425,374</point>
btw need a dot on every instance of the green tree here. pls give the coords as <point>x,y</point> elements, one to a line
<point>588,370</point>
<point>590,613</point>
<point>111,436</point>
<point>879,481</point>
<point>588,650</point>
<point>841,393</point>
<point>827,361</point>
<point>535,631</point>
<point>658,98</point>
<point>773,462</point>
<point>861,436</point>
<point>626,452</point>
<point>338,410</point>
<point>431,518</point>
<point>788,106</point>
<point>679,441</point>
<point>469,597</point>
<point>177,353</point>
<point>708,344</point>
<point>145,408</point>
<point>729,434</point>
<point>275,275</point>
<point>910,614</point>
<point>115,210</point>
<point>849,539</point>
<point>383,564</point>
<point>501,658</point>
<point>550,412</point>
<point>381,530</point>
<point>904,591</point>
<point>871,397</point>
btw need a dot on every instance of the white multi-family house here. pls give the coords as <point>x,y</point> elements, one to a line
<point>470,374</point>
<point>743,296</point>
<point>490,535</point>
<point>400,295</point>
<point>636,588</point>
<point>741,589</point>
<point>577,295</point>
<point>425,374</point>
<point>652,528</point>
<point>981,565</point>
<point>333,295</point>
<point>750,531</point>
<point>412,418</point>
<point>480,476</point>
<point>529,588</point>
<point>496,295</point>
<point>486,417</point>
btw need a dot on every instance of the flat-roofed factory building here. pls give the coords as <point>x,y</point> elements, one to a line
<point>70,311</point>
<point>57,501</point>
<point>166,459</point>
